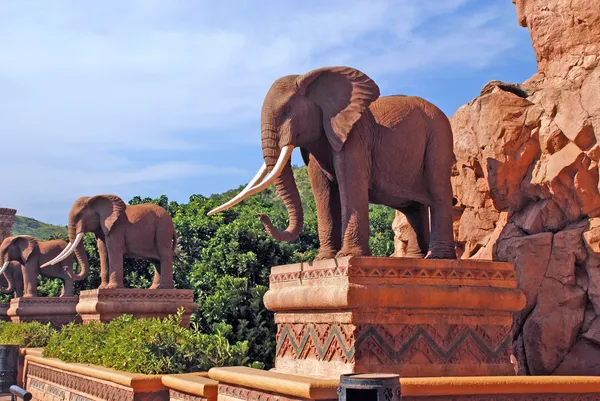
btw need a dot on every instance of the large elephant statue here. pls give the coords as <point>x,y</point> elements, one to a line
<point>136,231</point>
<point>14,279</point>
<point>360,148</point>
<point>34,256</point>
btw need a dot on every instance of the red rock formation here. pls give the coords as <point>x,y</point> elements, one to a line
<point>526,186</point>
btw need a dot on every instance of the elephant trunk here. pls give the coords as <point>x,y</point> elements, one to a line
<point>286,189</point>
<point>8,290</point>
<point>81,256</point>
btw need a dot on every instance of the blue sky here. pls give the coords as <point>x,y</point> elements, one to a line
<point>151,97</point>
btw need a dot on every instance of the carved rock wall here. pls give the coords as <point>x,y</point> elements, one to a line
<point>526,187</point>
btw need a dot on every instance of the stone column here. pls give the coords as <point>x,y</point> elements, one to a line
<point>7,219</point>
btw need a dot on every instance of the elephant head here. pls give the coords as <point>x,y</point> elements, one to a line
<point>14,252</point>
<point>17,249</point>
<point>314,111</point>
<point>97,214</point>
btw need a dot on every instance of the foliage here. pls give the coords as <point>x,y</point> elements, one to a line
<point>28,226</point>
<point>149,346</point>
<point>226,259</point>
<point>27,334</point>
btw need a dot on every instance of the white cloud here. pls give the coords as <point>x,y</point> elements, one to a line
<point>84,83</point>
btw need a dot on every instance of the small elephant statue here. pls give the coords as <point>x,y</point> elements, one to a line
<point>14,279</point>
<point>137,231</point>
<point>360,148</point>
<point>34,255</point>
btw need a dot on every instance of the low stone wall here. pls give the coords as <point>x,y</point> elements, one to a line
<point>245,384</point>
<point>191,387</point>
<point>501,388</point>
<point>51,379</point>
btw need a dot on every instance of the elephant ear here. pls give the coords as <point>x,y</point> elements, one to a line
<point>109,208</point>
<point>343,94</point>
<point>27,244</point>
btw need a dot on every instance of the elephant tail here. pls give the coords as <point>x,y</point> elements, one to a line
<point>174,240</point>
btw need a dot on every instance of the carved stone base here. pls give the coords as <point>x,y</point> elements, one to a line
<point>55,310</point>
<point>106,304</point>
<point>413,317</point>
<point>3,309</point>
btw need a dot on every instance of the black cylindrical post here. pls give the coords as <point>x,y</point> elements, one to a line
<point>369,387</point>
<point>9,360</point>
<point>20,393</point>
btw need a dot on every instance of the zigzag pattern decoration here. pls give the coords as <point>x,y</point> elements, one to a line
<point>451,344</point>
<point>323,342</point>
<point>461,344</point>
<point>396,272</point>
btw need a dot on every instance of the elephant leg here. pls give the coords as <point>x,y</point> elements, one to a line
<point>166,270</point>
<point>351,174</point>
<point>438,165</point>
<point>104,265</point>
<point>164,245</point>
<point>329,215</point>
<point>417,215</point>
<point>17,276</point>
<point>30,279</point>
<point>68,284</point>
<point>114,246</point>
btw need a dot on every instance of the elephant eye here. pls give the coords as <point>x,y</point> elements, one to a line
<point>287,111</point>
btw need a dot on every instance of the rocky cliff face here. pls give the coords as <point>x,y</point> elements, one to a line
<point>526,187</point>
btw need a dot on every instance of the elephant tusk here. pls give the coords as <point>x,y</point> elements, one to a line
<point>65,255</point>
<point>4,266</point>
<point>284,157</point>
<point>53,261</point>
<point>69,271</point>
<point>64,251</point>
<point>239,197</point>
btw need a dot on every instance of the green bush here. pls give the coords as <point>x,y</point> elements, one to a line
<point>26,335</point>
<point>149,346</point>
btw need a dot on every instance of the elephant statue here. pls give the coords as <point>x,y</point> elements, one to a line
<point>14,279</point>
<point>360,148</point>
<point>136,231</point>
<point>34,255</point>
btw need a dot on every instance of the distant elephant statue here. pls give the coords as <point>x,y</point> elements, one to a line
<point>34,256</point>
<point>136,231</point>
<point>14,279</point>
<point>359,148</point>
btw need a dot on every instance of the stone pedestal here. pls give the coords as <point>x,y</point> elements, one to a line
<point>56,310</point>
<point>413,317</point>
<point>106,304</point>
